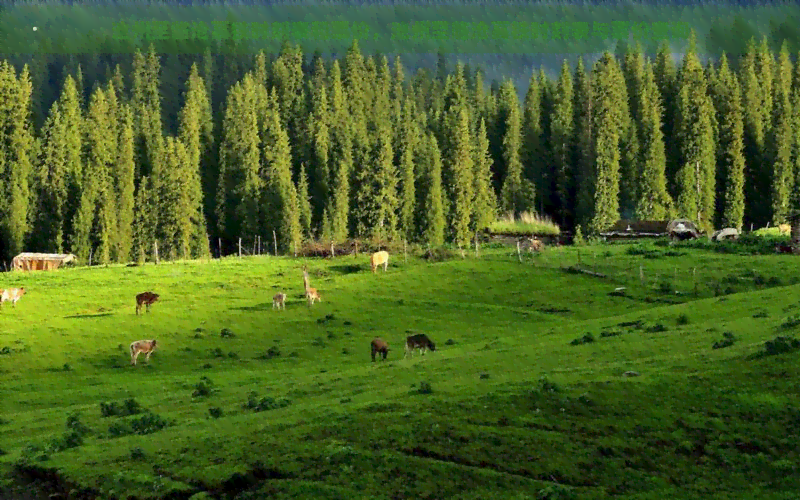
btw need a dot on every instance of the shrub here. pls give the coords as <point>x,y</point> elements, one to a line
<point>438,254</point>
<point>545,385</point>
<point>272,352</point>
<point>265,404</point>
<point>203,388</point>
<point>147,423</point>
<point>611,333</point>
<point>666,287</point>
<point>129,407</point>
<point>557,492</point>
<point>682,319</point>
<point>425,388</point>
<point>586,339</point>
<point>781,345</point>
<point>226,333</point>
<point>657,328</point>
<point>578,240</point>
<point>215,412</point>
<point>137,453</point>
<point>727,340</point>
<point>791,322</point>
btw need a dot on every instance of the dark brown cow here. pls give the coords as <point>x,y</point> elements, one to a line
<point>783,248</point>
<point>419,341</point>
<point>145,299</point>
<point>379,346</point>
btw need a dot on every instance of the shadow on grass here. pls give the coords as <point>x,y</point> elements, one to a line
<point>347,268</point>
<point>87,316</point>
<point>264,306</point>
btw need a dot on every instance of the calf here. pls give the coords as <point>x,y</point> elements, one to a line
<point>379,346</point>
<point>419,341</point>
<point>142,347</point>
<point>12,294</point>
<point>279,301</point>
<point>145,299</point>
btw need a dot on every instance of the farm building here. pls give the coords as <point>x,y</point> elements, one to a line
<point>40,261</point>
<point>637,229</point>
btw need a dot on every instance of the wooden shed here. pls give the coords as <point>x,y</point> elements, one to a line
<point>40,261</point>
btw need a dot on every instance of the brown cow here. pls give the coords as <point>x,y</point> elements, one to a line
<point>12,294</point>
<point>419,341</point>
<point>142,347</point>
<point>145,299</point>
<point>379,346</point>
<point>279,301</point>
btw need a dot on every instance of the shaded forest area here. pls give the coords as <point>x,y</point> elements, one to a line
<point>103,155</point>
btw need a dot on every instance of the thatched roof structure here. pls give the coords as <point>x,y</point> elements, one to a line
<point>41,261</point>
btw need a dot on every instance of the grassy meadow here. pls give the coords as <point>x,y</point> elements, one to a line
<point>524,397</point>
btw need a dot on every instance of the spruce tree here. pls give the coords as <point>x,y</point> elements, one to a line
<point>583,155</point>
<point>408,144</point>
<point>796,144</point>
<point>517,193</point>
<point>279,196</point>
<point>696,177</point>
<point>52,184</point>
<point>653,201</point>
<point>532,149</point>
<point>195,132</point>
<point>240,185</point>
<point>16,148</point>
<point>124,183</point>
<point>666,79</point>
<point>726,93</point>
<point>384,205</point>
<point>485,204</point>
<point>304,202</point>
<point>462,169</point>
<point>780,140</point>
<point>562,129</point>
<point>756,185</point>
<point>433,218</point>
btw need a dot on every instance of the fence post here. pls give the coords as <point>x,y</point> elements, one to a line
<point>694,280</point>
<point>332,252</point>
<point>519,254</point>
<point>219,249</point>
<point>240,247</point>
<point>254,245</point>
<point>641,275</point>
<point>155,250</point>
<point>405,255</point>
<point>275,242</point>
<point>294,248</point>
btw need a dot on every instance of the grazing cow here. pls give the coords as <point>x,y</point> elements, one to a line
<point>419,341</point>
<point>312,295</point>
<point>146,299</point>
<point>379,346</point>
<point>779,248</point>
<point>11,294</point>
<point>279,301</point>
<point>379,258</point>
<point>145,347</point>
<point>536,245</point>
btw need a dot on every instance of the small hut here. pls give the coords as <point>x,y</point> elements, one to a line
<point>729,233</point>
<point>682,229</point>
<point>40,261</point>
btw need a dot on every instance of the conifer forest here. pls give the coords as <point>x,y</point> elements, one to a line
<point>103,155</point>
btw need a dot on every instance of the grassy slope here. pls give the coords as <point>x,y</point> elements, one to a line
<point>698,422</point>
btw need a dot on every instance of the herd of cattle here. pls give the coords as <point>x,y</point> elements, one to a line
<point>378,346</point>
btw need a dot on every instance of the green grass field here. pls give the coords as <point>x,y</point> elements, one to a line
<point>524,397</point>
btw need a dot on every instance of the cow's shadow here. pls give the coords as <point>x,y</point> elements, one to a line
<point>87,316</point>
<point>264,306</point>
